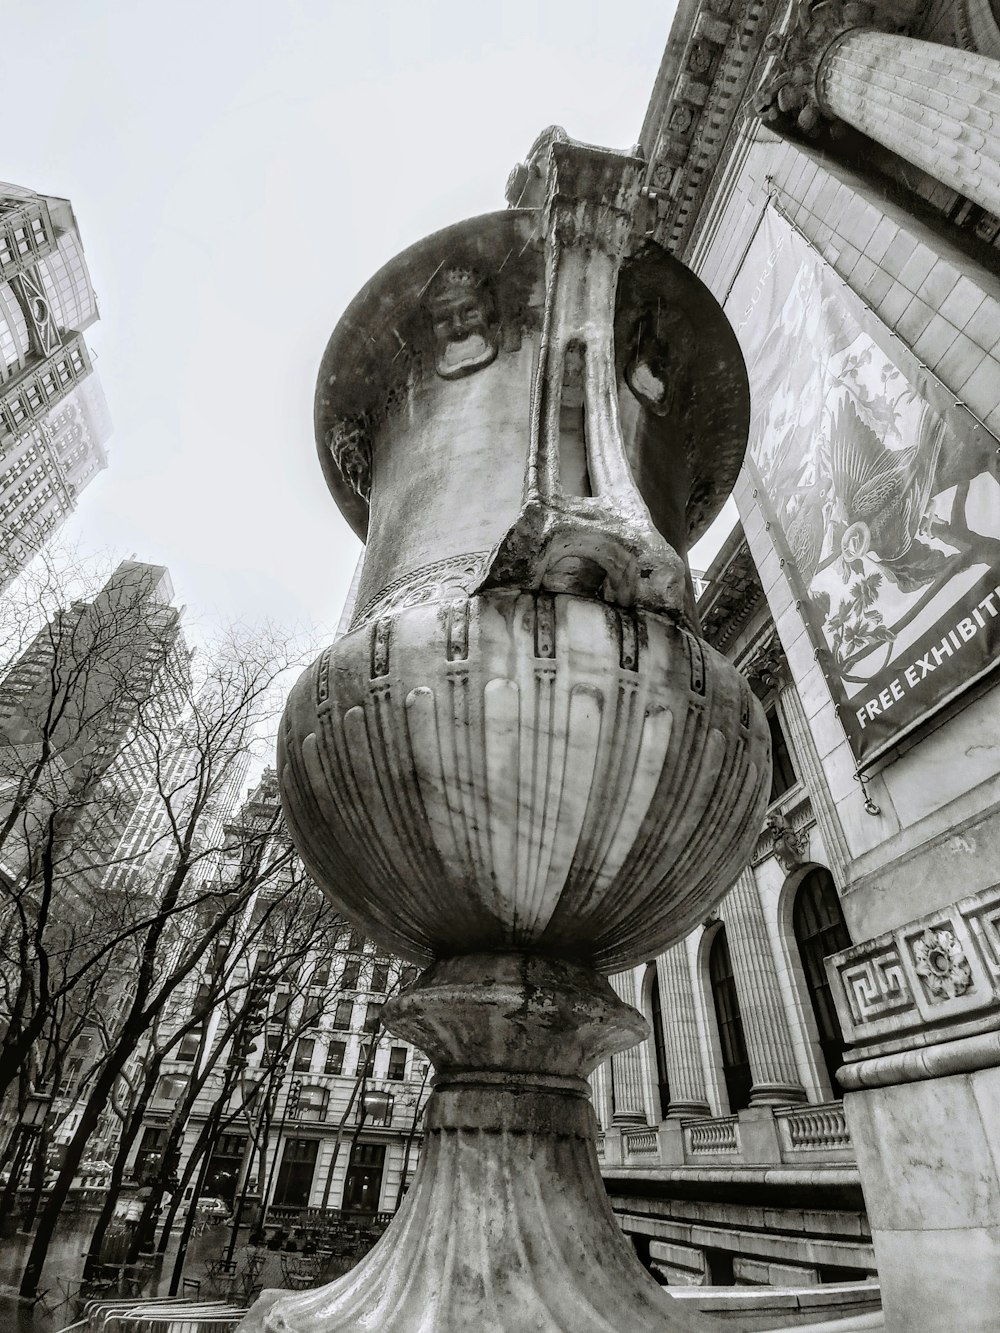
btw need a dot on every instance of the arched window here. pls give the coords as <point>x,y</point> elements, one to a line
<point>820,930</point>
<point>735,1061</point>
<point>660,1047</point>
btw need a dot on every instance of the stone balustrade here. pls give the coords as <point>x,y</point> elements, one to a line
<point>714,1136</point>
<point>793,1136</point>
<point>812,1129</point>
<point>640,1143</point>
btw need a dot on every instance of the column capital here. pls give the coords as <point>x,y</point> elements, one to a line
<point>788,95</point>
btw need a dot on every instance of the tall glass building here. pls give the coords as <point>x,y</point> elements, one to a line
<point>53,417</point>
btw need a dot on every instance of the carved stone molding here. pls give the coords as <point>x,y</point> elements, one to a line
<point>789,93</point>
<point>940,962</point>
<point>938,971</point>
<point>349,442</point>
<point>789,845</point>
<point>766,667</point>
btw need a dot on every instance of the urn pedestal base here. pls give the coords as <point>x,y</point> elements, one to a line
<point>507,1226</point>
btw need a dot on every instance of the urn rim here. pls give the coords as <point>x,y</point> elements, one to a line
<point>353,378</point>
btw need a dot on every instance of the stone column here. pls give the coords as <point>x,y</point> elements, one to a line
<point>628,1099</point>
<point>680,1036</point>
<point>793,719</point>
<point>935,106</point>
<point>769,1043</point>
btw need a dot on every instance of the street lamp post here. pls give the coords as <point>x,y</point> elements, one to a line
<point>29,1132</point>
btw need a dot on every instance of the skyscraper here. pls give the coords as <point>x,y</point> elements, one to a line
<point>53,417</point>
<point>69,707</point>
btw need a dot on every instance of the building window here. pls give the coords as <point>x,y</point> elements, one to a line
<point>188,1049</point>
<point>378,1107</point>
<point>660,1048</point>
<point>335,1053</point>
<point>349,977</point>
<point>147,1159</point>
<point>363,1183</point>
<point>372,1012</point>
<point>170,1089</point>
<point>380,977</point>
<point>355,942</point>
<point>312,1012</point>
<point>313,1102</point>
<point>344,1015</point>
<point>366,1053</point>
<point>735,1061</point>
<point>321,976</point>
<point>820,930</point>
<point>304,1048</point>
<point>409,975</point>
<point>397,1063</point>
<point>298,1165</point>
<point>782,773</point>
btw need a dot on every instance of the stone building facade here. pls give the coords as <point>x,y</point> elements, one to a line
<point>344,1098</point>
<point>54,421</point>
<point>725,1147</point>
<point>830,172</point>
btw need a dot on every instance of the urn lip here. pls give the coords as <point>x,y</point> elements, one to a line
<point>382,342</point>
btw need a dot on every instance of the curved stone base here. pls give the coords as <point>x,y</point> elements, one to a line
<point>504,1229</point>
<point>507,1227</point>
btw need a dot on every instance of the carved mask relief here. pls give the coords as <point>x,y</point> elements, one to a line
<point>461,310</point>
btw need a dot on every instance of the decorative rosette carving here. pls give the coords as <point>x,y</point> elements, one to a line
<point>942,965</point>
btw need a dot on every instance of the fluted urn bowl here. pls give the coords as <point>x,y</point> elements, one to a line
<point>524,771</point>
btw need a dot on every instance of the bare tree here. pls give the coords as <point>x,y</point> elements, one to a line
<point>179,881</point>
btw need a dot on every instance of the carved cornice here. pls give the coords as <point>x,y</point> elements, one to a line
<point>733,595</point>
<point>711,63</point>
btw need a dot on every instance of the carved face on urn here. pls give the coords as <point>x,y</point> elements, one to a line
<point>461,310</point>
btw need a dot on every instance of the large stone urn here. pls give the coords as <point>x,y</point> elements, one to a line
<point>521,765</point>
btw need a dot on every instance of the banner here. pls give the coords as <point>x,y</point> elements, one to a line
<point>882,498</point>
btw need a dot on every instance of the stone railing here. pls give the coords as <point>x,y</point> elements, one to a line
<point>812,1128</point>
<point>794,1136</point>
<point>717,1136</point>
<point>640,1142</point>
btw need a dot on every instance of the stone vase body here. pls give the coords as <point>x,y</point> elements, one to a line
<point>521,765</point>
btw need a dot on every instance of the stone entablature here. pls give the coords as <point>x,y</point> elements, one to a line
<point>930,979</point>
<point>695,108</point>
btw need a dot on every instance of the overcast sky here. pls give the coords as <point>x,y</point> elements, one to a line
<point>238,172</point>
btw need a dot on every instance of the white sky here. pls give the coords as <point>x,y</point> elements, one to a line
<point>238,171</point>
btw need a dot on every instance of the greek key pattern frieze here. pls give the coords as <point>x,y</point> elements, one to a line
<point>942,968</point>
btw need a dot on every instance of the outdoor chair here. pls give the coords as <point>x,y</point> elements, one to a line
<point>299,1271</point>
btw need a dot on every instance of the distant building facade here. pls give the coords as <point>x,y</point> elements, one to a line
<point>343,1100</point>
<point>54,420</point>
<point>830,172</point>
<point>75,693</point>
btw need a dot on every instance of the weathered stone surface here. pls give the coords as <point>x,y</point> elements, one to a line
<point>506,1225</point>
<point>521,762</point>
<point>521,771</point>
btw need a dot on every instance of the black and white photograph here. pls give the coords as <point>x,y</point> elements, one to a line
<point>500,667</point>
